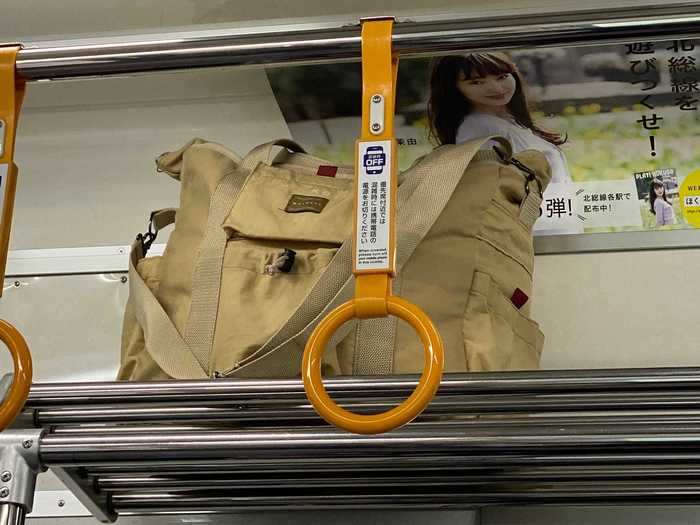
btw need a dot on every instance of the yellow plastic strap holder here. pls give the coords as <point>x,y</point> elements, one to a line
<point>11,96</point>
<point>374,246</point>
<point>18,393</point>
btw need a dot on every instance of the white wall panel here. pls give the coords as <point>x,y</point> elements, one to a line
<point>616,310</point>
<point>72,324</point>
<point>86,148</point>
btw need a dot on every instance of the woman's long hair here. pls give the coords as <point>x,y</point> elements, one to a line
<point>447,106</point>
<point>656,183</point>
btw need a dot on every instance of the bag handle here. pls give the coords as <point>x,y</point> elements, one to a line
<point>263,153</point>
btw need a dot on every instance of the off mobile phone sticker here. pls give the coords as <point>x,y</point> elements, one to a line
<point>374,160</point>
<point>373,206</point>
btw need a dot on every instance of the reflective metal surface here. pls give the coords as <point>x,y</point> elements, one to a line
<point>592,437</point>
<point>444,477</point>
<point>11,514</point>
<point>239,401</point>
<point>263,412</point>
<point>455,498</point>
<point>321,443</point>
<point>615,380</point>
<point>310,43</point>
<point>579,459</point>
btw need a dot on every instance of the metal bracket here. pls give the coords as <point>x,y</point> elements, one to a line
<point>376,114</point>
<point>99,504</point>
<point>58,504</point>
<point>19,466</point>
<point>377,17</point>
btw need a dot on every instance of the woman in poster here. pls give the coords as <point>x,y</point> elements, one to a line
<point>659,204</point>
<point>481,94</point>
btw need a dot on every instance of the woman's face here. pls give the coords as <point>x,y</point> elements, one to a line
<point>491,90</point>
<point>659,190</point>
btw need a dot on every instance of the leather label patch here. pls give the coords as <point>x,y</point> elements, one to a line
<point>327,171</point>
<point>302,203</point>
<point>519,298</point>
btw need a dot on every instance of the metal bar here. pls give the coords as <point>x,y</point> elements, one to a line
<point>250,509</point>
<point>536,382</point>
<point>626,493</point>
<point>322,444</point>
<point>11,514</point>
<point>107,475</point>
<point>263,412</point>
<point>233,485</point>
<point>520,449</point>
<point>485,421</point>
<point>373,506</point>
<point>347,464</point>
<point>312,43</point>
<point>192,482</point>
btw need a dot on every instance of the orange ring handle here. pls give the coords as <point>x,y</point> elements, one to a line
<point>22,380</point>
<point>391,419</point>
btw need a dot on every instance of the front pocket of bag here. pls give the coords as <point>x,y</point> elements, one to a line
<point>254,303</point>
<point>497,336</point>
<point>283,205</point>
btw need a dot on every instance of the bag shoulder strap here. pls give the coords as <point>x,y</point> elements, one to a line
<point>206,278</point>
<point>162,340</point>
<point>263,153</point>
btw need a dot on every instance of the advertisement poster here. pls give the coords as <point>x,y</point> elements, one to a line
<point>619,124</point>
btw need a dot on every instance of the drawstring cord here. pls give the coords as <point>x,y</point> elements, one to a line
<point>283,263</point>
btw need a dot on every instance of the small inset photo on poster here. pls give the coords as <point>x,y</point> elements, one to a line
<point>658,191</point>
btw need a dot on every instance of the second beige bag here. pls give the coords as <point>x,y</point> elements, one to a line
<point>227,299</point>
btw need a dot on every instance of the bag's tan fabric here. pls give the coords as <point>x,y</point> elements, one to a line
<point>464,246</point>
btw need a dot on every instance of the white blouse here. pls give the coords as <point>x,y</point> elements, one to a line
<point>476,125</point>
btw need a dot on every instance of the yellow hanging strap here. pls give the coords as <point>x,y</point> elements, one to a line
<point>11,96</point>
<point>375,174</point>
<point>374,242</point>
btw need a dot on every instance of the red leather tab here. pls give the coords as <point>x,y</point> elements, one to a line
<point>327,171</point>
<point>519,298</point>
